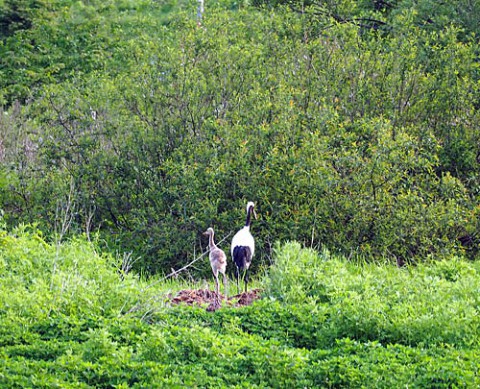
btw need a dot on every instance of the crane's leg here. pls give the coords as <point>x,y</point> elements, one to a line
<point>225,285</point>
<point>237,276</point>
<point>245,279</point>
<point>217,287</point>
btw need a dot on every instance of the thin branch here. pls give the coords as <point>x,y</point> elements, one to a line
<point>173,273</point>
<point>176,272</point>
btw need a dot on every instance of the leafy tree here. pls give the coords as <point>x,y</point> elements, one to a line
<point>363,142</point>
<point>18,15</point>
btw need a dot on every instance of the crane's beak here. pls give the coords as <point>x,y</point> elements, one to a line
<point>254,213</point>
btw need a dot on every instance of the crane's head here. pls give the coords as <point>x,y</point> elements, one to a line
<point>209,231</point>
<point>251,208</point>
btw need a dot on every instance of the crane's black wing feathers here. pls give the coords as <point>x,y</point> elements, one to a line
<point>242,256</point>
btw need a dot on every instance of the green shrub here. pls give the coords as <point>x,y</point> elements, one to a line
<point>41,279</point>
<point>323,321</point>
<point>148,129</point>
<point>430,304</point>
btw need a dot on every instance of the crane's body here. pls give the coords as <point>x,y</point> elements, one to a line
<point>218,261</point>
<point>243,248</point>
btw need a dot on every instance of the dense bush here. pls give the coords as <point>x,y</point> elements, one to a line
<point>152,129</point>
<point>383,15</point>
<point>40,280</point>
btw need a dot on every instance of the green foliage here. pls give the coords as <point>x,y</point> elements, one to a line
<point>68,319</point>
<point>42,280</point>
<point>17,15</point>
<point>385,15</point>
<point>147,128</point>
<point>407,306</point>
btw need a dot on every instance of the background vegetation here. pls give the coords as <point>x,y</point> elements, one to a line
<point>126,129</point>
<point>352,125</point>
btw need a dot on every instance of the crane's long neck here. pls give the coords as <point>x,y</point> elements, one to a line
<point>211,243</point>
<point>249,217</point>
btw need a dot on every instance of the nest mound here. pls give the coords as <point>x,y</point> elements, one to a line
<point>201,297</point>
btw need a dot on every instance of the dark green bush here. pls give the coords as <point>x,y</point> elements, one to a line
<point>360,142</point>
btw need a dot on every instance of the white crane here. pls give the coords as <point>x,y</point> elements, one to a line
<point>243,248</point>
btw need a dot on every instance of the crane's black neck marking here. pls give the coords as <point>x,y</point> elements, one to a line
<point>249,216</point>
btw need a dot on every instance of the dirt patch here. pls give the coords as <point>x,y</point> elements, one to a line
<point>246,298</point>
<point>202,297</point>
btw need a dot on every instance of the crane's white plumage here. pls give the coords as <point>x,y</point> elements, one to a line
<point>243,238</point>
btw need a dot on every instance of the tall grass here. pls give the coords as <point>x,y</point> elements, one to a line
<point>424,305</point>
<point>70,318</point>
<point>41,279</point>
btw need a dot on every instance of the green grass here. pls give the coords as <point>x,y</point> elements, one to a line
<point>67,319</point>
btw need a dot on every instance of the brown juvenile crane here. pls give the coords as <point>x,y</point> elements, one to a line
<point>218,261</point>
